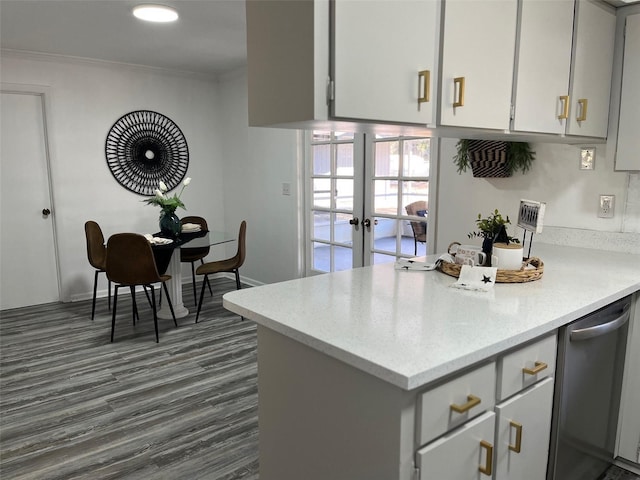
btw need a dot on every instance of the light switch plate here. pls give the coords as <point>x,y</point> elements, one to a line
<point>588,158</point>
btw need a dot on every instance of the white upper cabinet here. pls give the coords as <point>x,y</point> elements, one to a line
<point>477,63</point>
<point>628,148</point>
<point>591,69</point>
<point>384,60</point>
<point>543,62</point>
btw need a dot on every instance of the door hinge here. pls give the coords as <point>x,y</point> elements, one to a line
<point>513,112</point>
<point>416,473</point>
<point>330,90</point>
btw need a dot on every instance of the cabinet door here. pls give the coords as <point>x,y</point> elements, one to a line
<point>543,63</point>
<point>591,69</point>
<point>627,157</point>
<point>522,434</point>
<point>478,48</point>
<point>379,50</point>
<point>464,454</point>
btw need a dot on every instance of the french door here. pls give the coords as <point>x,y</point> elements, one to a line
<point>367,199</point>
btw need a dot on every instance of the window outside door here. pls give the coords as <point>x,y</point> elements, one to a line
<point>358,189</point>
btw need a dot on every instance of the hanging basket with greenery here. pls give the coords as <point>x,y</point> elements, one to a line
<point>493,158</point>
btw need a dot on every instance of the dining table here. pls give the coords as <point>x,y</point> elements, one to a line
<point>167,256</point>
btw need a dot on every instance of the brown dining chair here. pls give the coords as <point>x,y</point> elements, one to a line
<point>130,263</point>
<point>97,255</point>
<point>231,265</point>
<point>419,209</point>
<point>192,255</point>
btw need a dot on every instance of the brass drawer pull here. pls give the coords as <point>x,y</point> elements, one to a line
<point>459,82</point>
<point>424,80</point>
<point>488,468</point>
<point>539,366</point>
<point>472,401</point>
<point>565,107</point>
<point>516,448</point>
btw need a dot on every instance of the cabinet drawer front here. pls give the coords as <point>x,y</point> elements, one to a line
<point>459,455</point>
<point>526,366</point>
<point>453,403</point>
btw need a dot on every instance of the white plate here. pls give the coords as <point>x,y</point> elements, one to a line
<point>161,241</point>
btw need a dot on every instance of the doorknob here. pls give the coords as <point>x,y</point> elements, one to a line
<point>354,221</point>
<point>367,222</point>
<point>46,212</point>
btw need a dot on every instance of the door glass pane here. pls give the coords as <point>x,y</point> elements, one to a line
<point>343,230</point>
<point>385,232</point>
<point>322,192</point>
<point>414,190</point>
<point>344,196</point>
<point>321,226</point>
<point>344,159</point>
<point>386,159</point>
<point>321,159</point>
<point>415,161</point>
<point>320,254</point>
<point>342,258</point>
<point>385,196</point>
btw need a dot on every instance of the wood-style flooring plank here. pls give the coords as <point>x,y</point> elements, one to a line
<point>73,405</point>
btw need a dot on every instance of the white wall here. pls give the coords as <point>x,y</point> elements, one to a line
<point>571,195</point>
<point>86,99</point>
<point>257,162</point>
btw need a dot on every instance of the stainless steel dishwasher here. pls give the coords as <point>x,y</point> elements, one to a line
<point>589,372</point>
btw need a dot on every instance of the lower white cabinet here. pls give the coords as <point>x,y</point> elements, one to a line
<point>463,454</point>
<point>522,433</point>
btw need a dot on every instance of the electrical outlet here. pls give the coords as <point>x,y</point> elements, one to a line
<point>605,209</point>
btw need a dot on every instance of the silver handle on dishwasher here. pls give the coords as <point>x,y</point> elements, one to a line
<point>603,328</point>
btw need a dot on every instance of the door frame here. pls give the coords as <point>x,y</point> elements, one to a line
<point>44,94</point>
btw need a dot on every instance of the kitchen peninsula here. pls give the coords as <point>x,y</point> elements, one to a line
<point>345,360</point>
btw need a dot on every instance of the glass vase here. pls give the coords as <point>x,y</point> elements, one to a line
<point>169,224</point>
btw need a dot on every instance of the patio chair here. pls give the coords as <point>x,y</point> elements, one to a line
<point>418,209</point>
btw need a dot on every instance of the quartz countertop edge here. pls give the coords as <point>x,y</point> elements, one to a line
<point>409,329</point>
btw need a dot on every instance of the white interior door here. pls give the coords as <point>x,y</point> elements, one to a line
<point>29,273</point>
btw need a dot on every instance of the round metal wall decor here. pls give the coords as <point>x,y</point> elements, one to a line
<point>145,147</point>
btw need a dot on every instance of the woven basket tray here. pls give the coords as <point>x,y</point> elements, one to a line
<point>504,276</point>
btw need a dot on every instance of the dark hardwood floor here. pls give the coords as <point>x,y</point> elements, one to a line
<point>74,405</point>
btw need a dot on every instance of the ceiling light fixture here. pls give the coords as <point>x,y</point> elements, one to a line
<point>155,13</point>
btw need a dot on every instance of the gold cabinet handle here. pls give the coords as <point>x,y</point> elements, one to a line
<point>583,102</point>
<point>488,467</point>
<point>459,83</point>
<point>565,107</point>
<point>516,448</point>
<point>539,366</point>
<point>424,80</point>
<point>472,401</point>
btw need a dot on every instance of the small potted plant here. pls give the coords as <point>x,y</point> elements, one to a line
<point>492,228</point>
<point>493,158</point>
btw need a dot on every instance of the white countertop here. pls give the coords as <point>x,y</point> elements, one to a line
<point>409,328</point>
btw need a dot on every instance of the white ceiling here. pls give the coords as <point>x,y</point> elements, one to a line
<point>208,38</point>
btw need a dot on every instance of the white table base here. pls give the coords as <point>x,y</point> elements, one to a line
<point>175,289</point>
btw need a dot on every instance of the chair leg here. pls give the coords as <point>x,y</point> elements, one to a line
<point>113,313</point>
<point>144,287</point>
<point>155,313</point>
<point>109,293</point>
<point>415,246</point>
<point>201,296</point>
<point>135,305</point>
<point>193,283</point>
<point>95,289</point>
<point>166,291</point>
<point>207,280</point>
